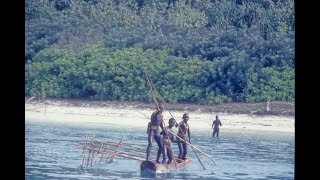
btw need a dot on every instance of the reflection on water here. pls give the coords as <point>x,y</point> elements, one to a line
<point>52,153</point>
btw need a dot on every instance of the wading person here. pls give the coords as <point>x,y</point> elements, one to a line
<point>167,139</point>
<point>183,132</point>
<point>215,126</point>
<point>154,132</point>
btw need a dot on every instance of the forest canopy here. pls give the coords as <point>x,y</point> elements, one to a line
<point>195,51</point>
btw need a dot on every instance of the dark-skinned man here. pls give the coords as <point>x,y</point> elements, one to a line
<point>167,139</point>
<point>183,132</point>
<point>155,126</point>
<point>215,126</point>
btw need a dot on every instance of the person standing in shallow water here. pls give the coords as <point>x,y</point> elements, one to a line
<point>215,126</point>
<point>154,132</point>
<point>183,132</point>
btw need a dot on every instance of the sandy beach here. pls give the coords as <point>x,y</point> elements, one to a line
<point>131,116</point>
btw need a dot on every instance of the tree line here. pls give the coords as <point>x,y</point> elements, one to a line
<point>203,51</point>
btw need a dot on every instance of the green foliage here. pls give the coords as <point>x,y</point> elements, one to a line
<point>187,17</point>
<point>198,51</point>
<point>270,85</point>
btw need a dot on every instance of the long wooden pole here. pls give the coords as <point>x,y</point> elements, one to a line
<point>131,157</point>
<point>112,156</point>
<point>194,152</point>
<point>181,131</point>
<point>83,152</point>
<point>126,147</point>
<point>172,117</point>
<point>195,148</point>
<point>116,152</point>
<point>198,158</point>
<point>179,127</point>
<point>154,98</point>
<point>128,144</point>
<point>140,113</point>
<point>163,124</point>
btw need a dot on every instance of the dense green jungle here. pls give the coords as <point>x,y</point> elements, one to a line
<point>194,51</point>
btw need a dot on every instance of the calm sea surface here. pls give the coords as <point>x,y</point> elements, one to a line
<point>51,152</point>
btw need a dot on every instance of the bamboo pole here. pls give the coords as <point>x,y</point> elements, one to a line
<point>118,153</point>
<point>101,157</point>
<point>195,148</point>
<point>170,114</point>
<point>88,158</point>
<point>118,145</point>
<point>131,157</point>
<point>129,144</point>
<point>92,157</point>
<point>138,112</point>
<point>192,150</point>
<point>83,154</point>
<point>198,158</point>
<point>154,99</point>
<point>104,148</point>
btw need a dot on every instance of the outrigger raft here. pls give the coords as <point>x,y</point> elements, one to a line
<point>94,152</point>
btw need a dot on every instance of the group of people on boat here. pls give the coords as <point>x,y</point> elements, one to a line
<point>164,136</point>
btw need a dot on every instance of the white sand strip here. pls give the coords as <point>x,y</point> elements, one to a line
<point>130,117</point>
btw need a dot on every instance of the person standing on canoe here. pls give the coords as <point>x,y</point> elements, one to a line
<point>167,139</point>
<point>215,126</point>
<point>154,132</point>
<point>182,133</point>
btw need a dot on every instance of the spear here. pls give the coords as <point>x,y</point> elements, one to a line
<point>154,98</point>
<point>179,127</point>
<point>163,124</point>
<point>194,148</point>
<point>151,88</point>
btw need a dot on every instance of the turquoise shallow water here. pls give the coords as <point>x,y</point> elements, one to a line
<point>51,152</point>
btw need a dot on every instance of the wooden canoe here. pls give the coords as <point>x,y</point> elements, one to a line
<point>152,166</point>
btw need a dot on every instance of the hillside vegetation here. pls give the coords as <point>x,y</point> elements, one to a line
<point>194,51</point>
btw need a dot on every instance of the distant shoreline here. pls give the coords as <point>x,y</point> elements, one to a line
<point>130,115</point>
<point>276,108</point>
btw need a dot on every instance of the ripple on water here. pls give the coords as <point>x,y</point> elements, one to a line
<point>51,153</point>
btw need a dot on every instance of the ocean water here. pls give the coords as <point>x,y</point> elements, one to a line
<point>52,152</point>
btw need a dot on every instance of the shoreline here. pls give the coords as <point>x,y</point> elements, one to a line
<point>276,108</point>
<point>121,114</point>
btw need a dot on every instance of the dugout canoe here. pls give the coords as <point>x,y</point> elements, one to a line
<point>152,166</point>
